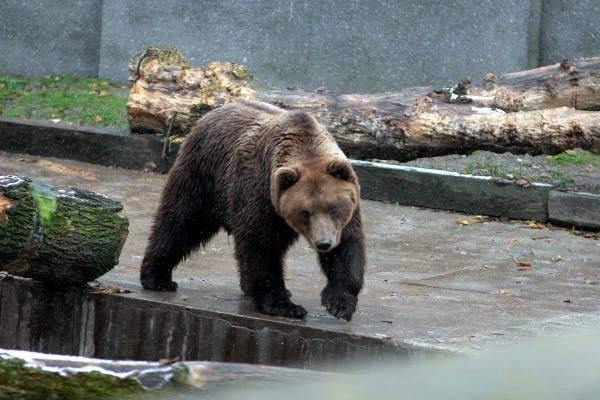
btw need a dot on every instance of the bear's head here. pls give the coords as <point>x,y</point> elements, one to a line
<point>316,198</point>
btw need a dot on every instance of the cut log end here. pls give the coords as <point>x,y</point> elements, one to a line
<point>58,235</point>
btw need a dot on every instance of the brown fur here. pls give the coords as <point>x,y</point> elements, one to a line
<point>265,176</point>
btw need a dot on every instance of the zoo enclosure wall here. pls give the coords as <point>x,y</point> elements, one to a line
<point>345,45</point>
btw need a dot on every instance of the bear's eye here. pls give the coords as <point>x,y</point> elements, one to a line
<point>332,209</point>
<point>304,215</point>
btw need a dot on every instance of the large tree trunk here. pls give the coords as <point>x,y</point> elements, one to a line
<point>58,235</point>
<point>545,110</point>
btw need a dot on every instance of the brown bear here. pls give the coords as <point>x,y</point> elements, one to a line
<point>266,176</point>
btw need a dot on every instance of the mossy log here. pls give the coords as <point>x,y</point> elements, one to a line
<point>58,235</point>
<point>29,375</point>
<point>544,110</point>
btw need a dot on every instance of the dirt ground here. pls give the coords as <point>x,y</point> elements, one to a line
<point>575,170</point>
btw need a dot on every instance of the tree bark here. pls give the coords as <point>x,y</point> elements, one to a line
<point>26,375</point>
<point>544,110</point>
<point>58,235</point>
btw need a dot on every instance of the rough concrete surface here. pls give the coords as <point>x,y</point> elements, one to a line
<point>569,29</point>
<point>42,37</point>
<point>431,282</point>
<point>579,209</point>
<point>345,45</point>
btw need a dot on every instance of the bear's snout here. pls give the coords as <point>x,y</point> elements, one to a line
<point>324,233</point>
<point>323,245</point>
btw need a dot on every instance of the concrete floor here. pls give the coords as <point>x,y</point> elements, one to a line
<point>430,282</point>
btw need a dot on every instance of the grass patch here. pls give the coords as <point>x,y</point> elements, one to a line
<point>83,101</point>
<point>575,157</point>
<point>561,179</point>
<point>496,169</point>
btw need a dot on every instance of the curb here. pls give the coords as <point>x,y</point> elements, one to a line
<point>101,325</point>
<point>452,191</point>
<point>382,182</point>
<point>93,145</point>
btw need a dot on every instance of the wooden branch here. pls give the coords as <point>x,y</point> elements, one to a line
<point>545,110</point>
<point>58,235</point>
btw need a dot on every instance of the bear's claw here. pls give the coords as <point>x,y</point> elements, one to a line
<point>338,303</point>
<point>282,307</point>
<point>159,285</point>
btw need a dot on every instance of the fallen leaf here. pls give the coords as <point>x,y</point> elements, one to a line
<point>382,336</point>
<point>523,182</point>
<point>556,258</point>
<point>589,169</point>
<point>534,225</point>
<point>111,290</point>
<point>462,222</point>
<point>571,152</point>
<point>504,291</point>
<point>568,301</point>
<point>522,265</point>
<point>103,93</point>
<point>167,361</point>
<point>97,118</point>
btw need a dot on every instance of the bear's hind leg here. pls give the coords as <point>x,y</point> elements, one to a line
<point>181,225</point>
<point>261,278</point>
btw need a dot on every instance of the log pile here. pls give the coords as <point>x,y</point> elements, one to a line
<point>544,110</point>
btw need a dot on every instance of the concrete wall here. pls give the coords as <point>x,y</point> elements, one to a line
<point>569,29</point>
<point>39,37</point>
<point>346,45</point>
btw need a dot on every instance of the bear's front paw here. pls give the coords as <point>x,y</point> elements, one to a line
<point>339,303</point>
<point>280,306</point>
<point>159,285</point>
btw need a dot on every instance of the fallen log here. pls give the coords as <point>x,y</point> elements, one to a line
<point>29,375</point>
<point>544,110</point>
<point>58,235</point>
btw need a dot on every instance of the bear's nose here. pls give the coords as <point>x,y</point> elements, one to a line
<point>323,245</point>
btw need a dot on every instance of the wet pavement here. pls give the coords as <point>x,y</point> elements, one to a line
<point>431,281</point>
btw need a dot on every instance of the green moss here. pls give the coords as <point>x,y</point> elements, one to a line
<point>90,101</point>
<point>561,179</point>
<point>495,169</point>
<point>45,202</point>
<point>575,157</point>
<point>242,72</point>
<point>20,382</point>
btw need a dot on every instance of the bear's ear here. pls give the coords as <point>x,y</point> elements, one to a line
<point>341,170</point>
<point>285,178</point>
<point>282,179</point>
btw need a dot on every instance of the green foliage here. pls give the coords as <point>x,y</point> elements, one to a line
<point>90,101</point>
<point>575,157</point>
<point>495,169</point>
<point>561,179</point>
<point>20,382</point>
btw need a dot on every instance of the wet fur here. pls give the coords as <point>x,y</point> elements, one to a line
<point>223,179</point>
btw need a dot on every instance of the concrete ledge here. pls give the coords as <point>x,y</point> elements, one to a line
<point>574,209</point>
<point>452,191</point>
<point>98,146</point>
<point>73,321</point>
